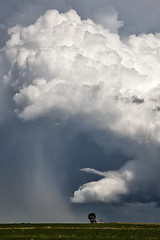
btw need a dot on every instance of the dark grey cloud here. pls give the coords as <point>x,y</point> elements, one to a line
<point>40,168</point>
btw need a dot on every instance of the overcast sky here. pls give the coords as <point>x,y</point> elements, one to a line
<point>79,110</point>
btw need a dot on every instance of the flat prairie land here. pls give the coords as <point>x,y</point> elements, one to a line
<point>97,231</point>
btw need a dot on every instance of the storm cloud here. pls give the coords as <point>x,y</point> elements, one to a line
<point>78,91</point>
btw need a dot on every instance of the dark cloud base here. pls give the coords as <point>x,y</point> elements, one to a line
<point>59,152</point>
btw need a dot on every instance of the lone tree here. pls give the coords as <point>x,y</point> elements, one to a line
<point>92,217</point>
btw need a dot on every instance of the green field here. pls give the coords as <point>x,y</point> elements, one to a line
<point>113,231</point>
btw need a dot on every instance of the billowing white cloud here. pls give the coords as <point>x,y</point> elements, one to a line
<point>108,190</point>
<point>78,68</point>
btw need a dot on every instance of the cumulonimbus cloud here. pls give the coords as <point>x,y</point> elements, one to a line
<point>76,67</point>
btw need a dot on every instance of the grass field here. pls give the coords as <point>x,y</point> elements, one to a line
<point>112,231</point>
